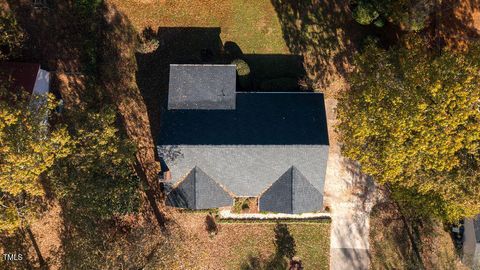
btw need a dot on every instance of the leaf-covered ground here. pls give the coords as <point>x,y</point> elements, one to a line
<point>235,243</point>
<point>391,248</point>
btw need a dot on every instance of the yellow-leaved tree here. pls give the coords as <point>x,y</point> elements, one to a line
<point>412,121</point>
<point>29,146</point>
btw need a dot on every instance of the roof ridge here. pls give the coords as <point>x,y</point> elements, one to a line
<point>291,188</point>
<point>295,180</point>
<point>276,180</point>
<point>195,186</point>
<point>215,181</point>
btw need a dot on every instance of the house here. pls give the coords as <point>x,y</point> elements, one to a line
<point>28,76</point>
<point>471,243</point>
<point>218,144</point>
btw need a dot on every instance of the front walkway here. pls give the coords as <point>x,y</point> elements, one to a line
<point>350,196</point>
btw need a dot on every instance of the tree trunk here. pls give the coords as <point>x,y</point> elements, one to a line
<point>150,193</point>
<point>43,264</point>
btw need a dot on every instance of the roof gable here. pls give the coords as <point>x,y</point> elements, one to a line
<point>278,197</point>
<point>199,191</point>
<point>305,197</point>
<point>292,193</point>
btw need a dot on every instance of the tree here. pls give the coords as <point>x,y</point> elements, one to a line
<point>408,14</point>
<point>96,184</point>
<point>412,121</point>
<point>28,148</point>
<point>11,36</point>
<point>97,180</point>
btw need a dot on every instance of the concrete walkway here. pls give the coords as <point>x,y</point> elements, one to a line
<point>350,196</point>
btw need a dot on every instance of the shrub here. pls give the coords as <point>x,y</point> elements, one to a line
<point>365,13</point>
<point>211,225</point>
<point>243,73</point>
<point>242,67</point>
<point>239,205</point>
<point>409,15</point>
<point>148,46</point>
<point>245,205</point>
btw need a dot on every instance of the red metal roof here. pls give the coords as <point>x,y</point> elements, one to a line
<point>20,74</point>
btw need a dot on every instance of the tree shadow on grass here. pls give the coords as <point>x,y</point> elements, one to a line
<point>324,33</point>
<point>203,45</point>
<point>285,248</point>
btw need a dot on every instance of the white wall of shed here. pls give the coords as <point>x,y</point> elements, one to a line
<point>42,83</point>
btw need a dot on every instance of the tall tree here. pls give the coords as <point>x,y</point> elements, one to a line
<point>97,180</point>
<point>412,120</point>
<point>28,148</point>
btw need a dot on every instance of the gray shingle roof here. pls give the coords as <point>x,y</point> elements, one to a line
<point>247,170</point>
<point>258,119</point>
<point>292,193</point>
<point>247,142</point>
<point>198,191</point>
<point>202,87</point>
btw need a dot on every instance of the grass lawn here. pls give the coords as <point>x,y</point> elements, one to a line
<point>252,24</point>
<point>323,33</point>
<point>236,243</point>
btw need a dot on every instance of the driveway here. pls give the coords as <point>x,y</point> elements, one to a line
<point>350,196</point>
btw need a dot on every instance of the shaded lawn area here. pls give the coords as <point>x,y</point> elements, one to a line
<point>252,24</point>
<point>322,32</point>
<point>236,243</point>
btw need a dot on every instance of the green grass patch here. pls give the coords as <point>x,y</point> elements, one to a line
<point>312,244</point>
<point>252,24</point>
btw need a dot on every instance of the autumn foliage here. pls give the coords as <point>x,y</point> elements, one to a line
<point>28,148</point>
<point>412,121</point>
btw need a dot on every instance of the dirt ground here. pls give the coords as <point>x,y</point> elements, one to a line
<point>457,23</point>
<point>391,247</point>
